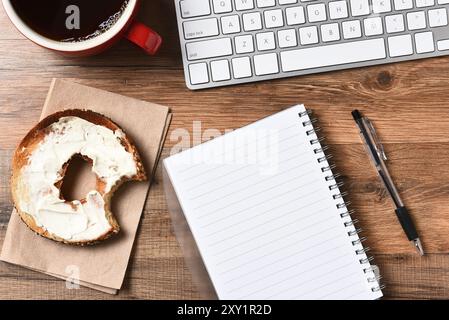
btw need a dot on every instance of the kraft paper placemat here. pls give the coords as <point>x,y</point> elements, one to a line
<point>102,266</point>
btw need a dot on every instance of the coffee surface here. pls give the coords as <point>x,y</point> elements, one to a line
<point>69,20</point>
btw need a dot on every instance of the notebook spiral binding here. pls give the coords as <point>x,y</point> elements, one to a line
<point>323,157</point>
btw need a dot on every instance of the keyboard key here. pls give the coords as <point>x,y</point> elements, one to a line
<point>241,5</point>
<point>241,67</point>
<point>443,1</point>
<point>198,73</point>
<point>424,42</point>
<point>287,38</point>
<point>351,29</point>
<point>266,64</point>
<point>273,18</point>
<point>222,6</point>
<point>220,70</point>
<point>330,32</point>
<point>295,15</point>
<point>244,44</point>
<point>252,21</point>
<point>394,23</point>
<point>266,3</point>
<point>334,54</point>
<point>265,41</point>
<point>373,26</point>
<point>194,8</point>
<point>425,3</point>
<point>338,9</point>
<point>416,20</point>
<point>359,7</point>
<point>308,35</point>
<point>400,45</point>
<point>282,2</point>
<point>437,17</point>
<point>316,12</point>
<point>200,28</point>
<point>230,24</point>
<point>381,6</point>
<point>443,45</point>
<point>209,49</point>
<point>403,4</point>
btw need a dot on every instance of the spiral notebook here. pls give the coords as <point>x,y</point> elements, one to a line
<point>267,214</point>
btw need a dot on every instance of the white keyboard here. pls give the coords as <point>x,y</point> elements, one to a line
<point>226,42</point>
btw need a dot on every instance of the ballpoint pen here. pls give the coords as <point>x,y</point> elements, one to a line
<point>378,157</point>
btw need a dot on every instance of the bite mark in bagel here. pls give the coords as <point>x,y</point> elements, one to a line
<point>39,166</point>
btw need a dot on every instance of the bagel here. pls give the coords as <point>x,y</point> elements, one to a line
<point>40,163</point>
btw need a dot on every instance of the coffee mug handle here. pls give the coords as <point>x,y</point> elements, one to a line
<point>144,37</point>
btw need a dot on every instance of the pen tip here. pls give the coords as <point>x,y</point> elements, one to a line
<point>418,245</point>
<point>356,114</point>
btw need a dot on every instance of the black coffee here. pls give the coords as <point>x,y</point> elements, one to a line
<point>70,20</point>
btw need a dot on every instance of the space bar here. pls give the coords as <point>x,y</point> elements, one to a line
<point>335,54</point>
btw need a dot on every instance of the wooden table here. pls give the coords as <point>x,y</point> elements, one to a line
<point>409,103</point>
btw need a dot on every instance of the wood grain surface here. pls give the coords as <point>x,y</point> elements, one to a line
<point>409,103</point>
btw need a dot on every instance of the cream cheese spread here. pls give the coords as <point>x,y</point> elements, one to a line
<point>73,221</point>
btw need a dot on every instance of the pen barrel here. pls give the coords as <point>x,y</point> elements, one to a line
<point>407,223</point>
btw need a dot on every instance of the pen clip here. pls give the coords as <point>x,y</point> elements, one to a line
<point>379,147</point>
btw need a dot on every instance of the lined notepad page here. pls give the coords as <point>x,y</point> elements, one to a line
<point>264,218</point>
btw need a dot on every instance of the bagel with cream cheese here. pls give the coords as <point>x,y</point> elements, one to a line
<point>41,161</point>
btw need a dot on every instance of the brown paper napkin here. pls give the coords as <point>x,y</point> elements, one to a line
<point>103,266</point>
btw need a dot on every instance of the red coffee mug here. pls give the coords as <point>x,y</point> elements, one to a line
<point>126,26</point>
